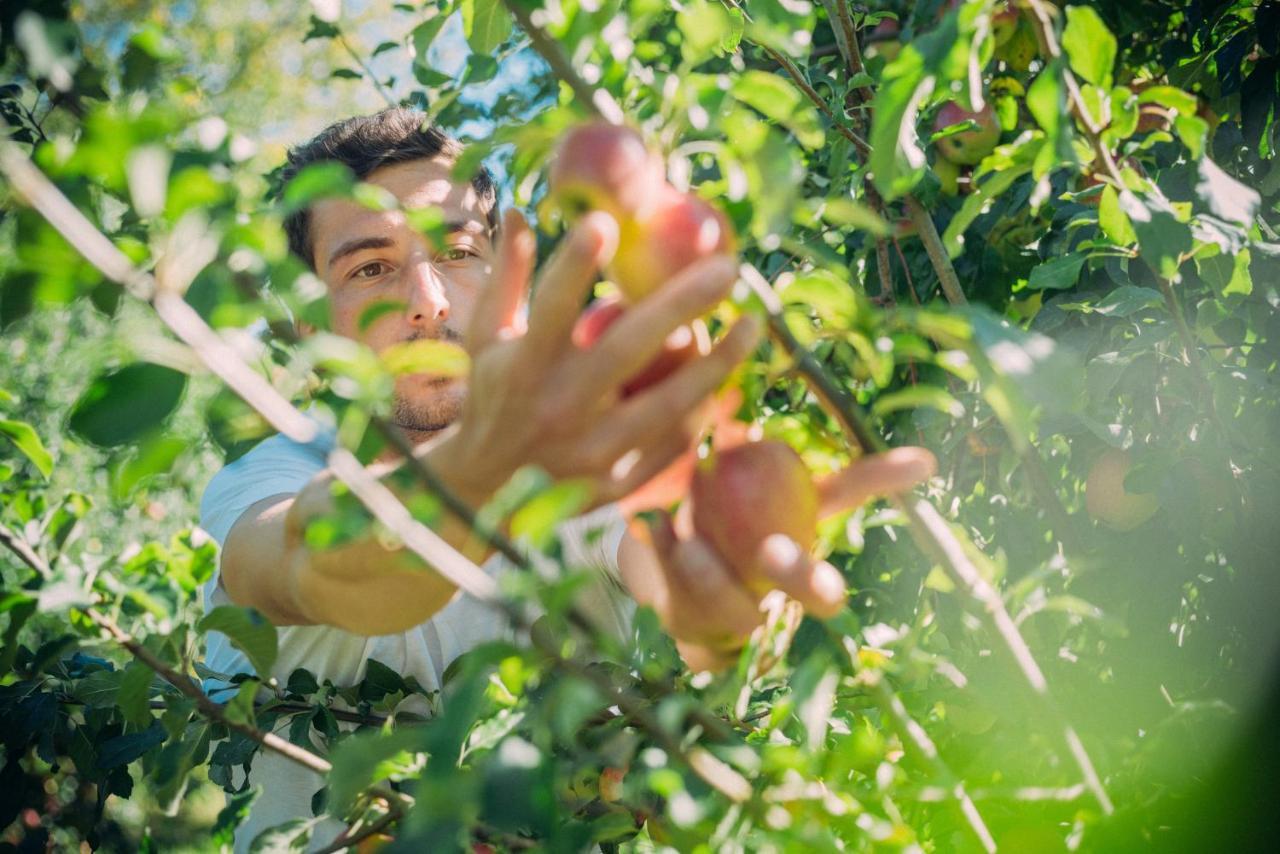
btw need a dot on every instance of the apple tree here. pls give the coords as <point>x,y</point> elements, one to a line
<point>1036,238</point>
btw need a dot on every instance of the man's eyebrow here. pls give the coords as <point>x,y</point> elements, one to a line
<point>359,244</point>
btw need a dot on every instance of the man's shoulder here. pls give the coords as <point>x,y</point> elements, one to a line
<point>275,466</point>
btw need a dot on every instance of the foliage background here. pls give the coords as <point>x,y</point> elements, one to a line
<point>1159,643</point>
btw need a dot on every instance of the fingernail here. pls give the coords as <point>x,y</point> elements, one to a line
<point>829,584</point>
<point>780,552</point>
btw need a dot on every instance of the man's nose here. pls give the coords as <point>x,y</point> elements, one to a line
<point>427,304</point>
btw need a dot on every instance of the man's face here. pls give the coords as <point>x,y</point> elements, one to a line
<point>368,258</point>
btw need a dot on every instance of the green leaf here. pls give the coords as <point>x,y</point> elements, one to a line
<point>1162,237</point>
<point>1113,220</point>
<point>487,24</point>
<point>124,749</point>
<point>779,100</point>
<point>156,456</point>
<point>320,30</point>
<point>705,28</point>
<point>1123,301</point>
<point>915,397</point>
<point>232,816</point>
<point>424,35</point>
<point>1227,274</point>
<point>346,74</point>
<point>848,213</point>
<point>288,838</point>
<point>368,758</point>
<point>427,356</point>
<point>318,181</point>
<point>1057,273</point>
<point>1047,103</point>
<point>121,406</point>
<point>897,160</point>
<point>134,695</point>
<point>538,518</point>
<point>25,438</point>
<point>248,631</point>
<point>1090,46</point>
<point>1226,197</point>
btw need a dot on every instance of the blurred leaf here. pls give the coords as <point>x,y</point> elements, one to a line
<point>121,406</point>
<point>1113,220</point>
<point>365,759</point>
<point>1162,238</point>
<point>1226,197</point>
<point>917,396</point>
<point>321,30</point>
<point>487,24</point>
<point>248,631</point>
<point>427,356</point>
<point>232,816</point>
<point>537,519</point>
<point>323,180</point>
<point>780,100</point>
<point>25,438</point>
<point>1057,273</point>
<point>1124,301</point>
<point>1089,45</point>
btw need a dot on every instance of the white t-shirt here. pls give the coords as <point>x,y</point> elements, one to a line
<point>279,466</point>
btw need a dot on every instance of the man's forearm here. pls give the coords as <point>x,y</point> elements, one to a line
<point>366,585</point>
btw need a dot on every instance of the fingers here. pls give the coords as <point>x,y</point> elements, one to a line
<point>498,306</point>
<point>896,470</point>
<point>819,587</point>
<point>662,409</point>
<point>639,334</point>
<point>564,281</point>
<point>706,602</point>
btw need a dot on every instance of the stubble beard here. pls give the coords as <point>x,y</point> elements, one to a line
<point>430,410</point>
<point>423,406</point>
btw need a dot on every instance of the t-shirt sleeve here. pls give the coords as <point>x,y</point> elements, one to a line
<point>276,466</point>
<point>591,542</point>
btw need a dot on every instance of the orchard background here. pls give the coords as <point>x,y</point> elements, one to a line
<point>1031,666</point>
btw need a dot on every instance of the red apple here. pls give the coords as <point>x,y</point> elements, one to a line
<point>683,344</point>
<point>605,167</point>
<point>679,230</point>
<point>967,147</point>
<point>742,495</point>
<point>1108,501</point>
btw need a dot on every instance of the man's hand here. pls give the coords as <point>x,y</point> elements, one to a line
<point>535,398</point>
<point>703,603</point>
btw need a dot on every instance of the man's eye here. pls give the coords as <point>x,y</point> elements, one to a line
<point>456,253</point>
<point>370,271</point>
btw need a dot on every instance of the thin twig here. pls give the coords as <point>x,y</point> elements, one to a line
<point>798,76</point>
<point>595,99</point>
<point>923,747</point>
<point>938,256</point>
<point>368,71</point>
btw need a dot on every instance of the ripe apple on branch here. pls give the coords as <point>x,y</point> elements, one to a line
<point>967,147</point>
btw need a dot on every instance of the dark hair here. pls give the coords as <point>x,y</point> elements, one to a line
<point>365,143</point>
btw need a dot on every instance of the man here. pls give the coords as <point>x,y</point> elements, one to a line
<point>531,398</point>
